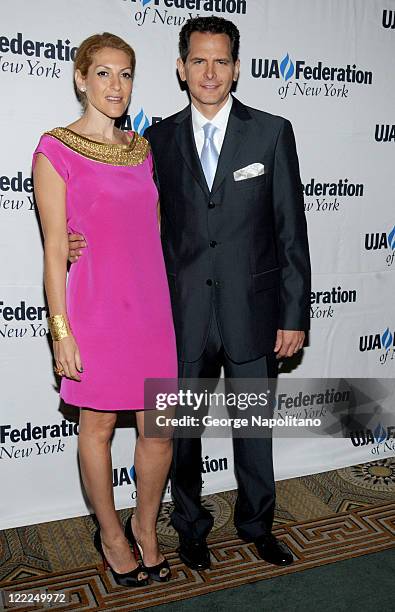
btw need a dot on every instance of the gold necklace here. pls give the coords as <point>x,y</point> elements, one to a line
<point>131,154</point>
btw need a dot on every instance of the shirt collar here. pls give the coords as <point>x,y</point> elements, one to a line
<point>220,120</point>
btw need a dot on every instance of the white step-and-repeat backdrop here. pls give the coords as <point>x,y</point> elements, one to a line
<point>327,65</point>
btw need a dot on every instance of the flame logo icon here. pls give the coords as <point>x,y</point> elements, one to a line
<point>287,67</point>
<point>391,239</point>
<point>140,123</point>
<point>380,434</point>
<point>132,473</point>
<point>386,339</point>
<point>144,2</point>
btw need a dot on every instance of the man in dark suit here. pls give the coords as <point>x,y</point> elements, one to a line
<point>236,251</point>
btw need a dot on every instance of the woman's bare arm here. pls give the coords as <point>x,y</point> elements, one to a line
<point>50,192</point>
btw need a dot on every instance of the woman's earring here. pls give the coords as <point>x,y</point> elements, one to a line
<point>83,89</point>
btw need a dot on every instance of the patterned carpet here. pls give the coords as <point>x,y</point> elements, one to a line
<point>323,518</point>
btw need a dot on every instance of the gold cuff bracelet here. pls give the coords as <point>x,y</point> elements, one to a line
<point>58,327</point>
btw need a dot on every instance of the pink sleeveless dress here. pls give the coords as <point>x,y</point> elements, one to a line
<point>117,293</point>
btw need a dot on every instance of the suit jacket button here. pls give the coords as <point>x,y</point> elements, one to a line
<point>217,283</point>
<point>213,244</point>
<point>209,282</point>
<point>211,205</point>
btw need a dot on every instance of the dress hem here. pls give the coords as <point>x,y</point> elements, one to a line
<point>91,407</point>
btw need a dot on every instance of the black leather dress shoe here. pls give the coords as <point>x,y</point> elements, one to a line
<point>273,551</point>
<point>194,553</point>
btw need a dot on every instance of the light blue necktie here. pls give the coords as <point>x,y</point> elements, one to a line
<point>209,155</point>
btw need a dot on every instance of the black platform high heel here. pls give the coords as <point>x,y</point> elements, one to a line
<point>160,572</point>
<point>129,579</point>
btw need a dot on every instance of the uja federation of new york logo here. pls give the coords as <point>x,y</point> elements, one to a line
<point>33,439</point>
<point>22,320</point>
<point>388,19</point>
<point>43,59</point>
<point>310,79</point>
<point>381,242</point>
<point>138,122</point>
<point>16,192</point>
<point>381,343</point>
<point>328,197</point>
<point>174,13</point>
<point>126,476</point>
<point>380,439</point>
<point>324,304</point>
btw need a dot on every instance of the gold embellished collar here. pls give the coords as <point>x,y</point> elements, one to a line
<point>131,154</point>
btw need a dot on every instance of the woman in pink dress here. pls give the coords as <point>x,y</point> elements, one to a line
<point>112,326</point>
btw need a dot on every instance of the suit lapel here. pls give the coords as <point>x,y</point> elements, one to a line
<point>186,143</point>
<point>234,137</point>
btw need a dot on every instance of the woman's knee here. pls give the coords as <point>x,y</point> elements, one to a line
<point>97,424</point>
<point>156,444</point>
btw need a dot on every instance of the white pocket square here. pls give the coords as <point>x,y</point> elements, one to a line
<point>249,172</point>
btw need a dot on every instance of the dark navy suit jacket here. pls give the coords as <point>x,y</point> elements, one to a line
<point>243,246</point>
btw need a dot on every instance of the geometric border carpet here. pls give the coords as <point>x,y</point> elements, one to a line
<point>323,518</point>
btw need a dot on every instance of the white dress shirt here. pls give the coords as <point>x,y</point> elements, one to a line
<point>220,121</point>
